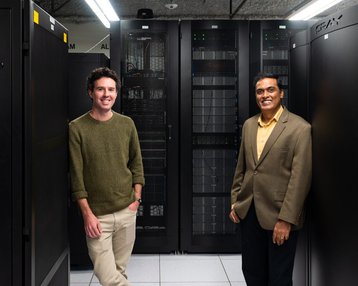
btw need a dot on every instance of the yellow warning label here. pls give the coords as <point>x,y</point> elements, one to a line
<point>65,37</point>
<point>36,17</point>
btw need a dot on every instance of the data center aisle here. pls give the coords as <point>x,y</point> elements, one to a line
<point>176,270</point>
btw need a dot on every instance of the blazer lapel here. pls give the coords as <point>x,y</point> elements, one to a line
<point>276,132</point>
<point>253,138</point>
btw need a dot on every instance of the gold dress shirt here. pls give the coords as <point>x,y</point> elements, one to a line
<point>264,131</point>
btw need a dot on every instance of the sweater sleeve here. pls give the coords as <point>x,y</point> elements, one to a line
<point>76,164</point>
<point>135,163</point>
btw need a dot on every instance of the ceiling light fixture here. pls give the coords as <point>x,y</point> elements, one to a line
<point>312,9</point>
<point>104,11</point>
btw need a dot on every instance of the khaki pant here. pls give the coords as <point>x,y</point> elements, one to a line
<point>111,251</point>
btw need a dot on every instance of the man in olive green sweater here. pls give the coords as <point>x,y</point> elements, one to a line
<point>107,178</point>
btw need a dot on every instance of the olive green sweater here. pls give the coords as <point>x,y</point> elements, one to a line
<point>105,162</point>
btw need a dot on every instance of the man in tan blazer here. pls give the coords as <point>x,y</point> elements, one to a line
<point>271,182</point>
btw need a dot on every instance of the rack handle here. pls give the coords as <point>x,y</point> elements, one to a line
<point>169,132</point>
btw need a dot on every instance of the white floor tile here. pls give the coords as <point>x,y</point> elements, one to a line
<point>196,284</point>
<point>192,270</point>
<point>146,284</point>
<point>81,276</point>
<point>189,257</point>
<point>132,284</point>
<point>175,270</point>
<point>233,269</point>
<point>94,279</point>
<point>238,284</point>
<point>229,256</point>
<point>145,256</point>
<point>143,268</point>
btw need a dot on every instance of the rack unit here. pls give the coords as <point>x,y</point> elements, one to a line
<point>269,50</point>
<point>150,97</point>
<point>211,114</point>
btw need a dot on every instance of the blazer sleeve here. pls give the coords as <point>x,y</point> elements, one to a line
<point>300,179</point>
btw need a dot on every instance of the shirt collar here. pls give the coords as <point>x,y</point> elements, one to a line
<point>275,118</point>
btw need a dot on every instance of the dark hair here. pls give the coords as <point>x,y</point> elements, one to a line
<point>99,73</point>
<point>263,75</point>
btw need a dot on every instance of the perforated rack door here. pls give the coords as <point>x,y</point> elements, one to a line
<point>149,95</point>
<point>214,127</point>
<point>210,121</point>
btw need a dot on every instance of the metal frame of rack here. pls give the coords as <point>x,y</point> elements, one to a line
<point>213,105</point>
<point>149,95</point>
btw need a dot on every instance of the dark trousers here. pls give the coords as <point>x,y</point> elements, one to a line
<point>263,262</point>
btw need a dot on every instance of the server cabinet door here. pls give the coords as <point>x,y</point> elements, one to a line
<point>298,103</point>
<point>210,119</point>
<point>334,89</point>
<point>5,148</point>
<point>46,143</point>
<point>11,182</point>
<point>149,95</point>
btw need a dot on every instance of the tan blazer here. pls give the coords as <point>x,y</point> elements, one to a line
<point>280,180</point>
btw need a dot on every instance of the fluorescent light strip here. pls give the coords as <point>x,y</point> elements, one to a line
<point>99,13</point>
<point>108,10</point>
<point>312,9</point>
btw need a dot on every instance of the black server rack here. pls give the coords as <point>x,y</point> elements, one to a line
<point>146,53</point>
<point>33,71</point>
<point>269,49</point>
<point>79,67</point>
<point>333,94</point>
<point>299,55</point>
<point>299,97</point>
<point>45,150</point>
<point>11,240</point>
<point>214,104</point>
